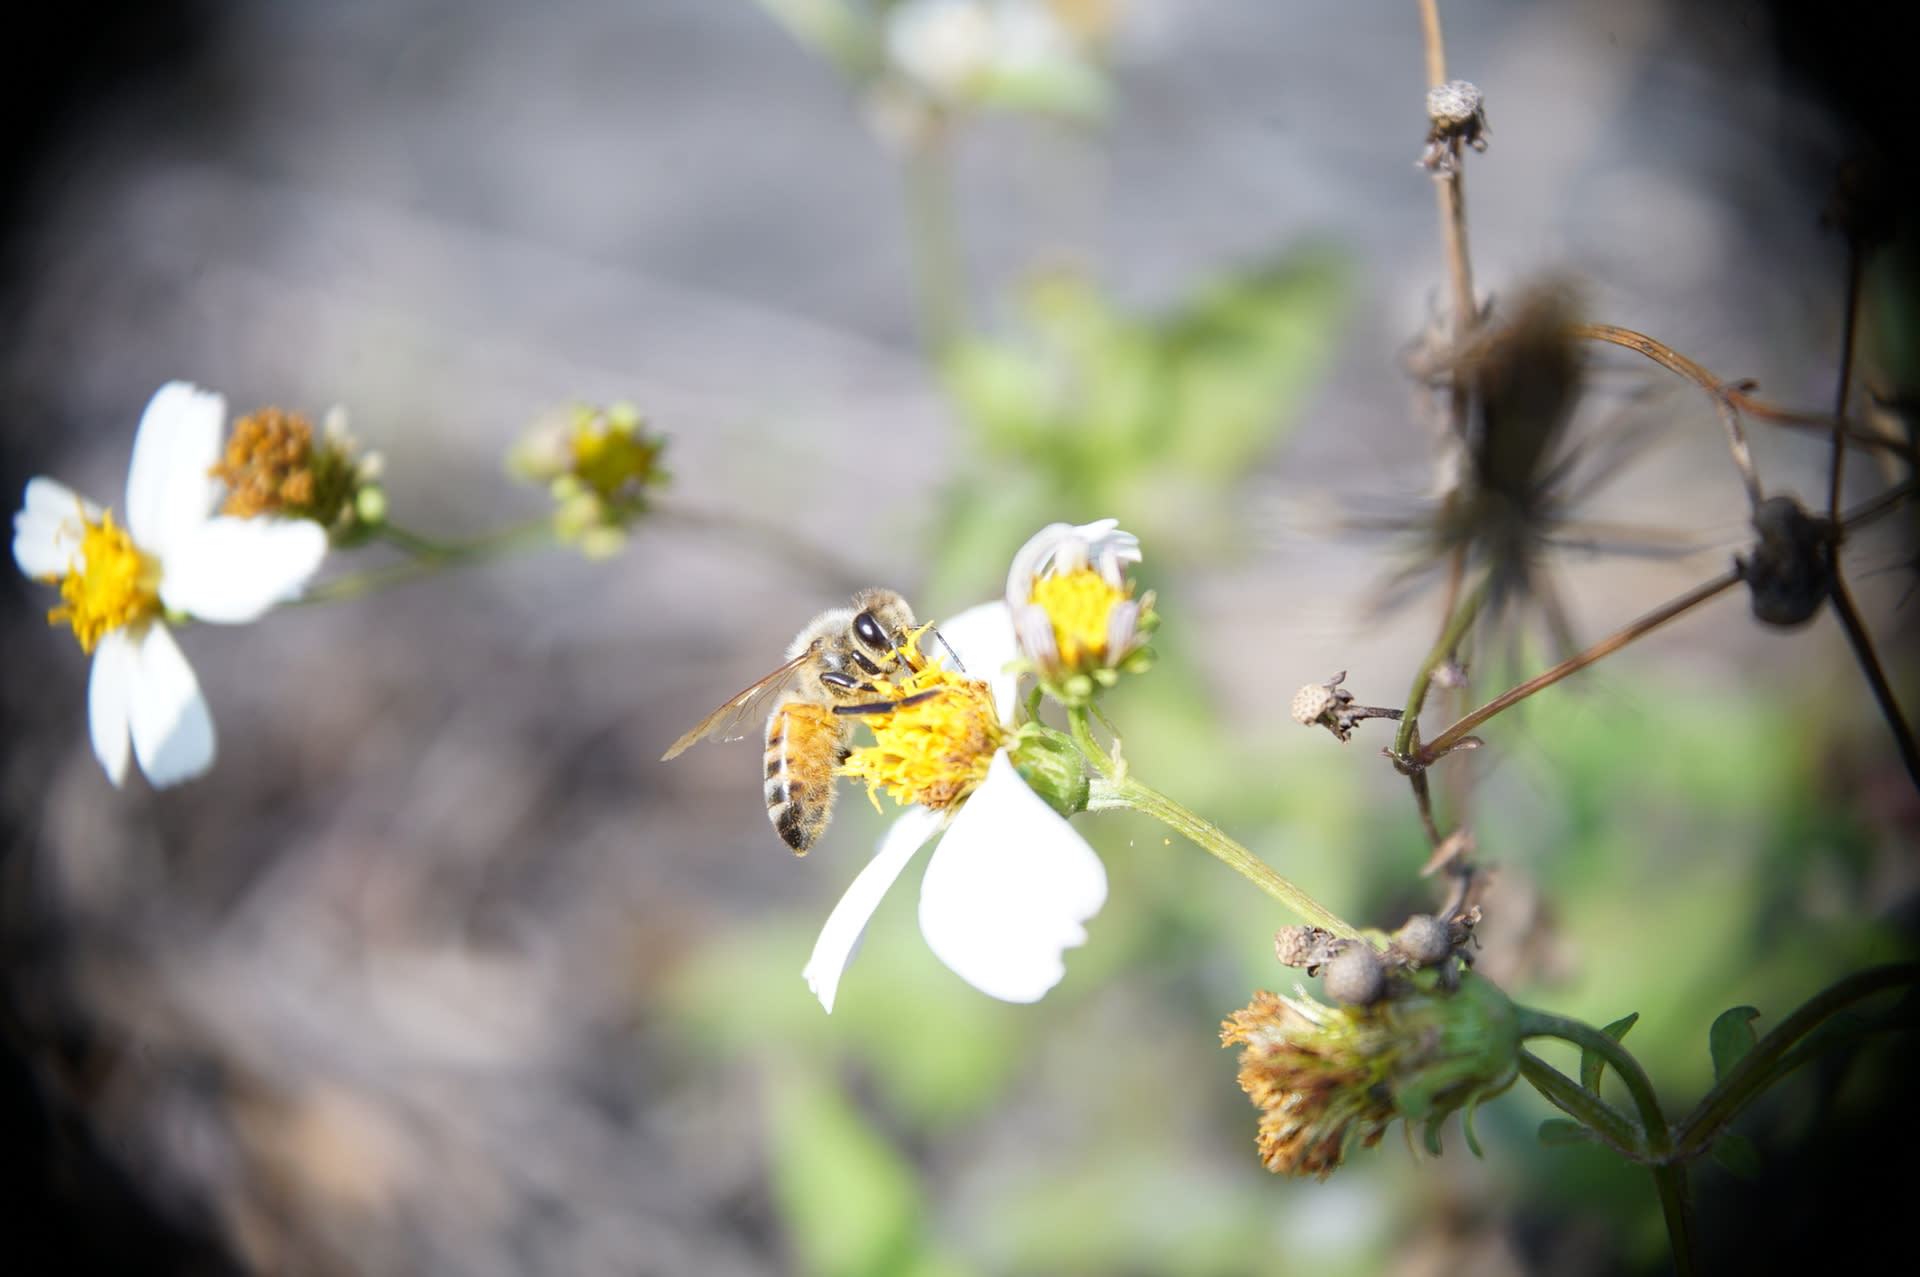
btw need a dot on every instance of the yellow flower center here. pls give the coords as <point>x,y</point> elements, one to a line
<point>1079,603</point>
<point>114,586</point>
<point>612,456</point>
<point>934,734</point>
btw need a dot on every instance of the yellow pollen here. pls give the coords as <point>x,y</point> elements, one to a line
<point>114,586</point>
<point>933,751</point>
<point>270,465</point>
<point>1079,603</point>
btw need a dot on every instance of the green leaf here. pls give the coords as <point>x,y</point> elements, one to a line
<point>1241,355</point>
<point>1730,1038</point>
<point>1557,1131</point>
<point>1592,1064</point>
<point>1737,1155</point>
<point>851,1201</point>
<point>1432,1134</point>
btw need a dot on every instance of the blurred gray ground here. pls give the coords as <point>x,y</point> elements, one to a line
<point>377,995</point>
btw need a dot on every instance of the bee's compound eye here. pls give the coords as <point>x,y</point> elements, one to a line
<point>868,631</point>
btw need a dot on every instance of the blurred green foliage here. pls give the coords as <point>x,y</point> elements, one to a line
<point>1090,412</point>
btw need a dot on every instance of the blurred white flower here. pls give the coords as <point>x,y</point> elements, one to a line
<point>1011,883</point>
<point>172,557</point>
<point>977,51</point>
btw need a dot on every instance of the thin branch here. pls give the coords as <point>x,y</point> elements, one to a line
<point>1843,607</point>
<point>1845,381</point>
<point>1453,736</point>
<point>1736,395</point>
<point>1717,390</point>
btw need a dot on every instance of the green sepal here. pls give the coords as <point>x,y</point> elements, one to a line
<point>1466,1128</point>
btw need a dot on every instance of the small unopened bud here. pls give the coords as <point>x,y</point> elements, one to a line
<point>1424,939</point>
<point>1052,766</point>
<point>1355,976</point>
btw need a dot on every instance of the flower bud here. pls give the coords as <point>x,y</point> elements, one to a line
<point>1052,766</point>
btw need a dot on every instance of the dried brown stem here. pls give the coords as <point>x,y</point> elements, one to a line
<point>1735,395</point>
<point>1454,735</point>
<point>1863,652</point>
<point>1847,325</point>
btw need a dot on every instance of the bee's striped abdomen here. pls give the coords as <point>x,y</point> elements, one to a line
<point>804,744</point>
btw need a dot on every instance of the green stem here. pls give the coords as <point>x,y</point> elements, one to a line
<point>1676,1203</point>
<point>1614,1128</point>
<point>936,255</point>
<point>1116,792</point>
<point>1669,1169</point>
<point>1544,1024</point>
<point>1443,649</point>
<point>1756,1070</point>
<point>428,556</point>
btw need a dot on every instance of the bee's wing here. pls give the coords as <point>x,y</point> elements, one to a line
<point>731,720</point>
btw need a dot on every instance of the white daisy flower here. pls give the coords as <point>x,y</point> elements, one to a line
<point>1072,605</point>
<point>1011,883</point>
<point>174,556</point>
<point>956,50</point>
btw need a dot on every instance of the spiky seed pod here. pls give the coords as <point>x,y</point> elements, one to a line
<point>1790,571</point>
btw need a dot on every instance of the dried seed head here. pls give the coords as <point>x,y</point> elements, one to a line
<point>1456,114</point>
<point>1315,699</point>
<point>1306,947</point>
<point>1355,976</point>
<point>1790,571</point>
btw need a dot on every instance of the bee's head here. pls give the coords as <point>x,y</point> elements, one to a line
<point>882,621</point>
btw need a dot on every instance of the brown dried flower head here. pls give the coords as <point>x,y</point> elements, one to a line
<point>1329,1078</point>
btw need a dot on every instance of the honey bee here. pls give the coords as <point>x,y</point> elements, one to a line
<point>831,663</point>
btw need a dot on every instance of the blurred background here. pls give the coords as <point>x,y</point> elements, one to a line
<point>441,971</point>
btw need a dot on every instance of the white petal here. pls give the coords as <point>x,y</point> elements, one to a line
<point>1008,889</point>
<point>48,528</point>
<point>982,637</point>
<point>232,570</point>
<point>1063,547</point>
<point>840,938</point>
<point>169,492</point>
<point>109,693</point>
<point>172,727</point>
<point>1030,559</point>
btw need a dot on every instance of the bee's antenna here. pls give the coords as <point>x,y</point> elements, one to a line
<point>958,667</point>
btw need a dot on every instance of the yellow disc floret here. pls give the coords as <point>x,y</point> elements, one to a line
<point>113,586</point>
<point>1079,604</point>
<point>934,734</point>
